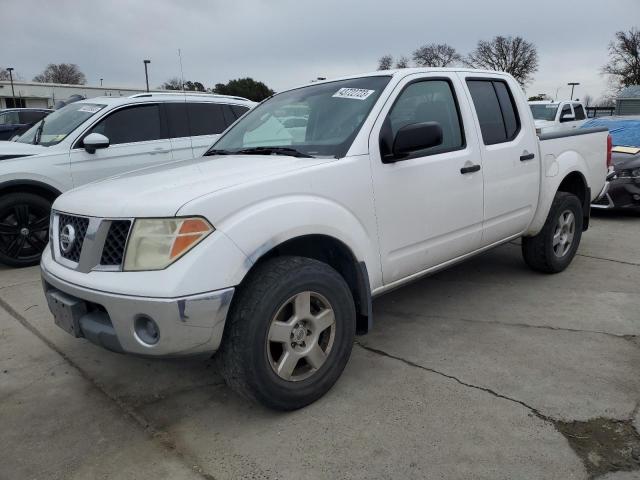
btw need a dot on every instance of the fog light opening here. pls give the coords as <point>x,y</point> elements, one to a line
<point>146,329</point>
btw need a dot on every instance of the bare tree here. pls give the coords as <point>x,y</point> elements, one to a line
<point>624,63</point>
<point>385,62</point>
<point>68,73</point>
<point>436,55</point>
<point>4,74</point>
<point>172,84</point>
<point>587,100</point>
<point>403,62</point>
<point>513,55</point>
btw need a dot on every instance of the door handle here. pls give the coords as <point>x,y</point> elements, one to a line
<point>469,169</point>
<point>527,156</point>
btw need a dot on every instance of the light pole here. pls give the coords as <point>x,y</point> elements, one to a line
<point>101,82</point>
<point>573,85</point>
<point>146,73</point>
<point>13,93</point>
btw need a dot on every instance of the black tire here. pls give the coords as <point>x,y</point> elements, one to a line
<point>538,252</point>
<point>244,356</point>
<point>24,228</point>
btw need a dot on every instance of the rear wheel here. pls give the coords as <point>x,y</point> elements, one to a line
<point>289,333</point>
<point>553,249</point>
<point>24,228</point>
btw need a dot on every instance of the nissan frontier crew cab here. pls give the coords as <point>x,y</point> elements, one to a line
<point>269,249</point>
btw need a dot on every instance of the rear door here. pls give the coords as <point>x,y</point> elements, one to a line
<point>428,210</point>
<point>137,136</point>
<point>509,149</point>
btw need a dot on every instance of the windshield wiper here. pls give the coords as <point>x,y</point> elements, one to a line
<point>273,151</point>
<point>38,135</point>
<point>217,152</point>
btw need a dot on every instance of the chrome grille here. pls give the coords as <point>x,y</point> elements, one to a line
<point>79,225</point>
<point>114,245</point>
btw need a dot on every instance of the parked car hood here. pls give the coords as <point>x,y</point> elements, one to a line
<point>161,190</point>
<point>17,149</point>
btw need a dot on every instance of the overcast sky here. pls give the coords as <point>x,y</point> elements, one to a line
<point>288,42</point>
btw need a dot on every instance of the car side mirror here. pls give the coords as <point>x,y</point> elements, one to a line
<point>94,141</point>
<point>567,117</point>
<point>414,137</point>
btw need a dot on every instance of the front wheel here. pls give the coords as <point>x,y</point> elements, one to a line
<point>24,228</point>
<point>289,333</point>
<point>553,249</point>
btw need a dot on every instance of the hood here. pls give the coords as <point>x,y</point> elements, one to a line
<point>17,149</point>
<point>161,191</point>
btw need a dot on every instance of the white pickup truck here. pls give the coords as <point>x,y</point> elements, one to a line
<point>270,248</point>
<point>557,116</point>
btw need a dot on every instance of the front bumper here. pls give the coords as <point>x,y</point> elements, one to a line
<point>187,325</point>
<point>618,193</point>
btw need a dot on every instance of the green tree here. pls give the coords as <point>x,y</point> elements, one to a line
<point>244,87</point>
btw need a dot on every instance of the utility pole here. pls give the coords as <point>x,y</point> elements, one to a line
<point>146,73</point>
<point>101,82</point>
<point>573,85</point>
<point>13,93</point>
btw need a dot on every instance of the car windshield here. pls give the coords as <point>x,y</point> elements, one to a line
<point>54,128</point>
<point>545,111</point>
<point>317,120</point>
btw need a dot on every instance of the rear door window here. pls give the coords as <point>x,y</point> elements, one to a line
<point>177,119</point>
<point>496,110</point>
<point>579,112</point>
<point>206,118</point>
<point>132,124</point>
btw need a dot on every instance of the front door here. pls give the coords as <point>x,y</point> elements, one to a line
<point>428,205</point>
<point>137,140</point>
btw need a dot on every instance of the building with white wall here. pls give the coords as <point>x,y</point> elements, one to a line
<point>45,95</point>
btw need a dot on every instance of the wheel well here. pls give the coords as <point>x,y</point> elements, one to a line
<point>335,253</point>
<point>576,184</point>
<point>35,188</point>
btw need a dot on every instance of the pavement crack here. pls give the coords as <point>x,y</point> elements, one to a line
<point>377,351</point>
<point>603,445</point>
<point>160,436</point>
<point>506,324</point>
<point>634,264</point>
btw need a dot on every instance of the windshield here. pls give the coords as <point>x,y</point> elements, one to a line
<point>545,111</point>
<point>318,120</point>
<point>55,128</point>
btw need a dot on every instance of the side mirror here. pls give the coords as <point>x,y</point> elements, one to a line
<point>94,141</point>
<point>567,117</point>
<point>416,136</point>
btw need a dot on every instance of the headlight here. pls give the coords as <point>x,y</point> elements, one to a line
<point>629,173</point>
<point>155,243</point>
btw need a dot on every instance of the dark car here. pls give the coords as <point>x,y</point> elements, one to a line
<point>16,121</point>
<point>622,189</point>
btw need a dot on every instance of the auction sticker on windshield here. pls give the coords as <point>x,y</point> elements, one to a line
<point>355,93</point>
<point>90,108</point>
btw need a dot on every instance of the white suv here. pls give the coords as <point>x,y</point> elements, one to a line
<point>93,139</point>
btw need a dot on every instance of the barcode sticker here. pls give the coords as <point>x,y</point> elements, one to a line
<point>89,108</point>
<point>354,93</point>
